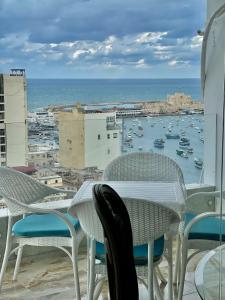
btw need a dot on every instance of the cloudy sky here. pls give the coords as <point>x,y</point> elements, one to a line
<point>101,38</point>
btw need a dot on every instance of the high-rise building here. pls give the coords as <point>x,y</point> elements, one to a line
<point>88,139</point>
<point>13,114</point>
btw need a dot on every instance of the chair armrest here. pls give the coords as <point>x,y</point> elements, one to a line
<point>205,202</point>
<point>197,219</point>
<point>34,209</point>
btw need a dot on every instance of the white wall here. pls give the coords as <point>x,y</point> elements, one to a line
<point>15,116</point>
<point>96,151</point>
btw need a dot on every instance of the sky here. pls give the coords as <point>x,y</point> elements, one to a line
<point>102,38</point>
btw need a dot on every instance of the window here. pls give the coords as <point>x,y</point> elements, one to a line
<point>1,99</point>
<point>2,140</point>
<point>2,148</point>
<point>108,151</point>
<point>108,136</point>
<point>115,135</point>
<point>99,136</point>
<point>46,182</point>
<point>1,85</point>
<point>56,181</point>
<point>2,107</point>
<point>2,131</point>
<point>2,116</point>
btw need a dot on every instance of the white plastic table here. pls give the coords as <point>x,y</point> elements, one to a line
<point>168,194</point>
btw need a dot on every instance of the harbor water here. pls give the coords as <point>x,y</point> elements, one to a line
<point>189,126</point>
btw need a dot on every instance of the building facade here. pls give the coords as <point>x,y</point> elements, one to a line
<point>13,114</point>
<point>88,139</point>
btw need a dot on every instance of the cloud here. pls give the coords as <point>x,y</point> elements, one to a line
<point>128,35</point>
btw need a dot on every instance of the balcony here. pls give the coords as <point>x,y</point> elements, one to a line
<point>50,276</point>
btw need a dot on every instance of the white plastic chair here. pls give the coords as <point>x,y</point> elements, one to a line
<point>20,192</point>
<point>199,232</point>
<point>146,166</point>
<point>149,222</point>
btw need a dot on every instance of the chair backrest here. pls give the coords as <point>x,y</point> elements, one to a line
<point>22,188</point>
<point>143,166</point>
<point>149,220</point>
<point>116,225</point>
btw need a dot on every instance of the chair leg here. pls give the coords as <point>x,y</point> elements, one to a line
<point>156,287</point>
<point>75,269</point>
<point>92,271</point>
<point>177,262</point>
<point>5,259</point>
<point>18,261</point>
<point>170,269</point>
<point>150,271</point>
<point>88,264</point>
<point>183,268</point>
<point>160,275</point>
<point>8,247</point>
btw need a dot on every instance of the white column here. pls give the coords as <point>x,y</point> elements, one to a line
<point>214,96</point>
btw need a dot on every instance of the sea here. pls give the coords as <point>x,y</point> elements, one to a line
<point>46,92</point>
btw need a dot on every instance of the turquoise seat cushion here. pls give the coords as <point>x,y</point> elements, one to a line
<point>41,225</point>
<point>207,228</point>
<point>140,252</point>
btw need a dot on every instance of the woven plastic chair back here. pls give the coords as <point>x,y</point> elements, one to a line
<point>143,166</point>
<point>22,188</point>
<point>116,225</point>
<point>149,220</point>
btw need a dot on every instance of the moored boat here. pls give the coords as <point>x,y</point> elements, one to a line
<point>172,135</point>
<point>159,143</point>
<point>179,152</point>
<point>198,163</point>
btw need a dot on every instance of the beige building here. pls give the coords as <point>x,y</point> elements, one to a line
<point>87,139</point>
<point>13,114</point>
<point>53,181</point>
<point>40,159</point>
<point>173,104</point>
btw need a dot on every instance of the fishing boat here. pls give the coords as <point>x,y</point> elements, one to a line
<point>190,150</point>
<point>159,143</point>
<point>184,141</point>
<point>185,147</point>
<point>179,152</point>
<point>184,155</point>
<point>202,139</point>
<point>198,163</point>
<point>172,135</point>
<point>183,144</point>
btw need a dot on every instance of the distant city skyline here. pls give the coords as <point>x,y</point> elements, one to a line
<point>98,39</point>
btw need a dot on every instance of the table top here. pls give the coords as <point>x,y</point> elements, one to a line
<point>165,193</point>
<point>210,275</point>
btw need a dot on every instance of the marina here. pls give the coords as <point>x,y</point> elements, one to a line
<point>183,150</point>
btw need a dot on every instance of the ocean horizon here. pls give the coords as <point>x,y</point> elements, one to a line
<point>45,92</point>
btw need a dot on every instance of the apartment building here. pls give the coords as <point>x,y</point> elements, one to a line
<point>13,112</point>
<point>88,139</point>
